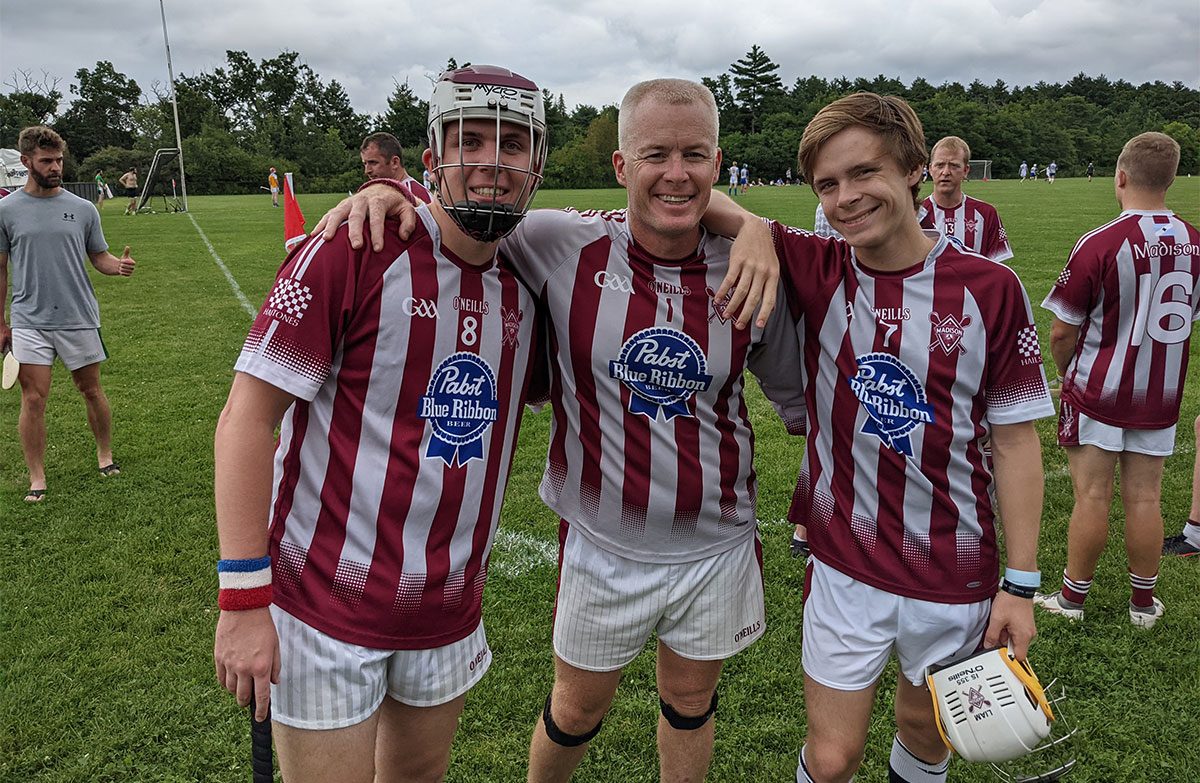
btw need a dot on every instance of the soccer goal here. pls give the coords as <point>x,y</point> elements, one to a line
<point>156,181</point>
<point>980,169</point>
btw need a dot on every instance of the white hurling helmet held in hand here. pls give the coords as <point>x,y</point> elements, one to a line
<point>501,96</point>
<point>991,708</point>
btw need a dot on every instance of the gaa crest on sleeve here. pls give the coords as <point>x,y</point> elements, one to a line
<point>894,399</point>
<point>662,368</point>
<point>460,404</point>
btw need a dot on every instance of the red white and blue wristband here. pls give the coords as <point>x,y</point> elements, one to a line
<point>245,584</point>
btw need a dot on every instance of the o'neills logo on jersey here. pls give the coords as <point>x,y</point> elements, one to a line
<point>460,404</point>
<point>893,398</point>
<point>656,286</point>
<point>471,306</point>
<point>948,332</point>
<point>663,368</point>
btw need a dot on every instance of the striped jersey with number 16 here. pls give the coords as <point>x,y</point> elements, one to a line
<point>410,367</point>
<point>650,445</point>
<point>1133,288</point>
<point>906,374</point>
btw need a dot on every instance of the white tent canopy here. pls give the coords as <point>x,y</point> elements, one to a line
<point>12,172</point>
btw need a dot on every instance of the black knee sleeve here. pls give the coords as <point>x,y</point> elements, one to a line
<point>687,722</point>
<point>560,737</point>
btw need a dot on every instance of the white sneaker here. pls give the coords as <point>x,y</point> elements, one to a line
<point>1147,619</point>
<point>1052,605</point>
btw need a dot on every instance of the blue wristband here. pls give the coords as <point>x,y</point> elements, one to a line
<point>1031,579</point>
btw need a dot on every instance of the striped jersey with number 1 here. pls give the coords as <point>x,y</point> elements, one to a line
<point>651,446</point>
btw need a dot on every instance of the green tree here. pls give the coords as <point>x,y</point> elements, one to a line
<point>406,117</point>
<point>755,79</point>
<point>102,113</point>
<point>31,102</point>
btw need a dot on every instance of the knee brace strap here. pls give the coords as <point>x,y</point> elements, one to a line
<point>687,722</point>
<point>560,737</point>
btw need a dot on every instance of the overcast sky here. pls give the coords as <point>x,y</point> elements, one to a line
<point>591,51</point>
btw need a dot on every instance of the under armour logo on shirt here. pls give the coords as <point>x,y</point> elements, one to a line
<point>69,216</point>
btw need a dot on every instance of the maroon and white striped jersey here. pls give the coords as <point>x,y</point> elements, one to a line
<point>651,450</point>
<point>1133,288</point>
<point>973,224</point>
<point>418,189</point>
<point>906,374</point>
<point>411,368</point>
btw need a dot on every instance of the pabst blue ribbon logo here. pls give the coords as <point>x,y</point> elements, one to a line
<point>663,368</point>
<point>460,404</point>
<point>894,399</point>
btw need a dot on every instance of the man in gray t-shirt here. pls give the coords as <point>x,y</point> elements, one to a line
<point>46,232</point>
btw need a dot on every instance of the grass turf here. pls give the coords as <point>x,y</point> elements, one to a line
<point>107,602</point>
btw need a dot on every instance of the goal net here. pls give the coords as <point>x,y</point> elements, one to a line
<point>980,169</point>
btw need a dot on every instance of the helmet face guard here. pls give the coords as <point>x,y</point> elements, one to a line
<point>501,97</point>
<point>991,708</point>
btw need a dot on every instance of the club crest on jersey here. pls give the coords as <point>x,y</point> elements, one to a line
<point>893,398</point>
<point>718,308</point>
<point>948,332</point>
<point>969,225</point>
<point>511,320</point>
<point>459,404</point>
<point>662,368</point>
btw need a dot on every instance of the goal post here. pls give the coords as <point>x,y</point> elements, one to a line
<point>980,169</point>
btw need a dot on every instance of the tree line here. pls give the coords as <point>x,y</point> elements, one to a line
<point>244,116</point>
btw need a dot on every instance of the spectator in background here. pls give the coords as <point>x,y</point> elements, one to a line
<point>128,181</point>
<point>383,158</point>
<point>273,186</point>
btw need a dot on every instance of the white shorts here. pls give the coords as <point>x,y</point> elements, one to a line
<point>851,628</point>
<point>274,191</point>
<point>1076,428</point>
<point>705,610</point>
<point>325,683</point>
<point>76,347</point>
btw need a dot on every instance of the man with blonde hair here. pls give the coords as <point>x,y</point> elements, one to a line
<point>915,353</point>
<point>974,224</point>
<point>1123,312</point>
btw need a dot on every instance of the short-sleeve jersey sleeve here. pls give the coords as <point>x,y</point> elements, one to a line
<point>296,333</point>
<point>94,240</point>
<point>1077,286</point>
<point>1015,383</point>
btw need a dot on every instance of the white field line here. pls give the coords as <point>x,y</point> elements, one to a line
<point>519,553</point>
<point>237,290</point>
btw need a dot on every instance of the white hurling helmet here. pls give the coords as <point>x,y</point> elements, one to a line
<point>991,708</point>
<point>497,94</point>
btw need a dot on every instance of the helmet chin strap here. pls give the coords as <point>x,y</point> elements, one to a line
<point>484,224</point>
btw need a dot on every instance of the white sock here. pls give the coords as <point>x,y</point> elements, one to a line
<point>904,765</point>
<point>1191,533</point>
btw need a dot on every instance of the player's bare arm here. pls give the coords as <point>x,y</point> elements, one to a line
<point>753,277</point>
<point>5,330</point>
<point>246,651</point>
<point>372,204</point>
<point>108,264</point>
<point>1063,339</point>
<point>1017,457</point>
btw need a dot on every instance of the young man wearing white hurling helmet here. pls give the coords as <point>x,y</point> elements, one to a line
<point>351,574</point>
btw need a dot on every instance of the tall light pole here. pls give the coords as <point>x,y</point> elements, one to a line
<point>174,106</point>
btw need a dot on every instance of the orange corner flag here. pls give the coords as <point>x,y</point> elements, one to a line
<point>293,218</point>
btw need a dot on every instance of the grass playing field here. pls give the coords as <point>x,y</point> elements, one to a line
<point>108,588</point>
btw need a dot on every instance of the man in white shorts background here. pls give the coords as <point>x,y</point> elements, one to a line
<point>46,232</point>
<point>915,352</point>
<point>1123,311</point>
<point>399,377</point>
<point>650,461</point>
<point>734,173</point>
